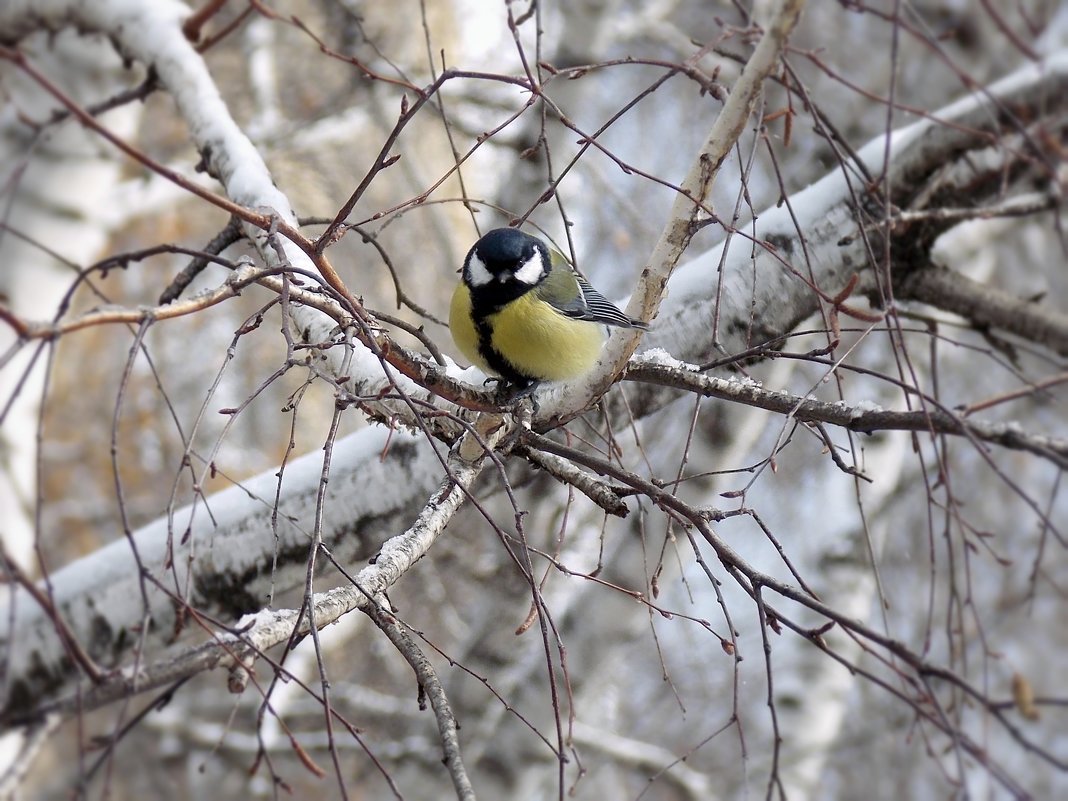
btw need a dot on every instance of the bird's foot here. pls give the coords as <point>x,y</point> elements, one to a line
<point>511,395</point>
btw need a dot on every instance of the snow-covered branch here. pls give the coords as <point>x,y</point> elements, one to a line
<point>224,557</point>
<point>690,201</point>
<point>151,34</point>
<point>779,276</point>
<point>225,568</point>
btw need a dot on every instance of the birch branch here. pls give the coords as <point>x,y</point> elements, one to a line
<point>690,202</point>
<point>254,633</point>
<point>232,551</point>
<point>934,418</point>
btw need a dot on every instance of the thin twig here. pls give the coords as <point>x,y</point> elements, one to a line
<point>430,684</point>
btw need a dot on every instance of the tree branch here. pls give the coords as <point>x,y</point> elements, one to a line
<point>986,306</point>
<point>431,685</point>
<point>690,202</point>
<point>251,636</point>
<point>933,418</point>
<point>784,281</point>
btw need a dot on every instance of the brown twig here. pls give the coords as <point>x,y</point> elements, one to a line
<point>430,684</point>
<point>196,21</point>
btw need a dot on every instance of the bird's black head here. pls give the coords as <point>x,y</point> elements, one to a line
<point>506,257</point>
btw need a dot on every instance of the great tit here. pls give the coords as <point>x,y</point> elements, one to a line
<point>521,311</point>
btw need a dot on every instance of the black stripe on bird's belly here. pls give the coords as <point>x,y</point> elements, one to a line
<point>482,306</point>
<point>500,365</point>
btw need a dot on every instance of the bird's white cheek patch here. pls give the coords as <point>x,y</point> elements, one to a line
<point>530,271</point>
<point>477,274</point>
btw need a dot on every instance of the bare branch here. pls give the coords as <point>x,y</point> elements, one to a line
<point>604,495</point>
<point>243,276</point>
<point>987,306</point>
<point>935,419</point>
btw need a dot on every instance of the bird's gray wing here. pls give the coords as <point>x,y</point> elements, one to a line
<point>573,296</point>
<point>600,309</point>
<point>561,291</point>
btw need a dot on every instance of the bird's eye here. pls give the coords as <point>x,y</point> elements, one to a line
<point>530,270</point>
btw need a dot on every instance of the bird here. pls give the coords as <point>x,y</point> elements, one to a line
<point>523,314</point>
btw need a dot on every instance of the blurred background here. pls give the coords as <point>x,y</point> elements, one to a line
<point>946,546</point>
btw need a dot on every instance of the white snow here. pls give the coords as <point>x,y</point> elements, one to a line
<point>658,357</point>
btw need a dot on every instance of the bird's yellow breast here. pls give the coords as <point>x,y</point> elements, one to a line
<point>462,326</point>
<point>534,338</point>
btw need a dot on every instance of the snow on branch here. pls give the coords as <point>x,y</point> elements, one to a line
<point>253,634</point>
<point>809,249</point>
<point>689,206</point>
<point>152,34</point>
<point>220,558</point>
